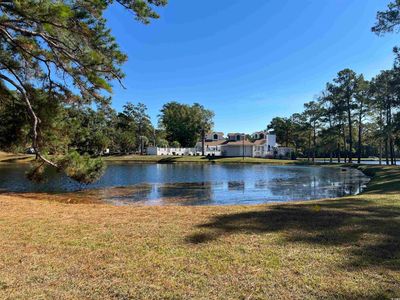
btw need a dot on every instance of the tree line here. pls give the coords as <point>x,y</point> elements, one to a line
<point>351,118</point>
<point>66,128</point>
<point>58,59</point>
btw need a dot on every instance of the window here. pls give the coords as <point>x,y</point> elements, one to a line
<point>215,136</point>
<point>269,147</point>
<point>238,137</point>
<point>262,135</point>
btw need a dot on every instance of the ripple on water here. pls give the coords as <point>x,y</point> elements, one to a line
<point>192,184</point>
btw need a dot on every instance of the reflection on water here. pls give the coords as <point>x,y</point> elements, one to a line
<point>196,184</point>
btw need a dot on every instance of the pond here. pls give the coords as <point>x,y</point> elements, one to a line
<point>196,184</point>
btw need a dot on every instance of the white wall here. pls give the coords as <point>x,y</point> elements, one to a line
<point>229,150</point>
<point>170,151</point>
<point>271,140</point>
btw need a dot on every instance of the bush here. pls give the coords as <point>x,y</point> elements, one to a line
<point>175,144</point>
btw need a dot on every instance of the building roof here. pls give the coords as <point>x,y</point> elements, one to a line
<point>237,143</point>
<point>211,143</point>
<point>215,132</point>
<point>260,142</point>
<point>235,133</point>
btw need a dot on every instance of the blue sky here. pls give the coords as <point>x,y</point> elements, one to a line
<point>248,61</point>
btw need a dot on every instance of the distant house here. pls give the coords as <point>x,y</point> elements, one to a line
<point>262,144</point>
<point>215,136</point>
<point>237,145</point>
<point>212,144</point>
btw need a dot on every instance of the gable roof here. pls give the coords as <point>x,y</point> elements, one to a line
<point>260,142</point>
<point>211,143</point>
<point>237,143</point>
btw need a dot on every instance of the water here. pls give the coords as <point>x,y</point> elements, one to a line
<point>196,184</point>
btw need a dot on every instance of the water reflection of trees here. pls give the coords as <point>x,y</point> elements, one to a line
<point>236,185</point>
<point>194,193</point>
<point>207,193</point>
<point>273,185</point>
<point>163,194</point>
<point>129,194</point>
<point>315,187</point>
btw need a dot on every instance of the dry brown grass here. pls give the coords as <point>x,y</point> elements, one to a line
<point>11,157</point>
<point>341,248</point>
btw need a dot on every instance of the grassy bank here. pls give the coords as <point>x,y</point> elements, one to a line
<point>340,248</point>
<point>12,157</point>
<point>198,159</point>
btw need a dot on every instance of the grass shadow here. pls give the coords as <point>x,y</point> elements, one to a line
<point>371,232</point>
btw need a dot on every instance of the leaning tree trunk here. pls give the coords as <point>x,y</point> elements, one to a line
<point>34,118</point>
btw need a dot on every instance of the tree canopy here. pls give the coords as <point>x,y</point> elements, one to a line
<point>184,123</point>
<point>63,48</point>
<point>388,20</point>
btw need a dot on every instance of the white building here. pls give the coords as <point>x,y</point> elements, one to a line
<point>212,144</point>
<point>265,144</point>
<point>215,136</point>
<point>236,144</point>
<point>170,151</point>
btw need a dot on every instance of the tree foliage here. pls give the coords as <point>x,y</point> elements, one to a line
<point>388,20</point>
<point>184,123</point>
<point>63,48</point>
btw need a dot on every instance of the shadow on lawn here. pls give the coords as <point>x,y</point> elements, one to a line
<point>387,181</point>
<point>371,232</point>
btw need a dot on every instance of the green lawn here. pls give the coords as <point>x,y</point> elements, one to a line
<point>346,248</point>
<point>198,159</point>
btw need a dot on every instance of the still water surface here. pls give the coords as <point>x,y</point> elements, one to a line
<point>197,184</point>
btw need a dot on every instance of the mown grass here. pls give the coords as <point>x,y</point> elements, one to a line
<point>338,248</point>
<point>199,159</point>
